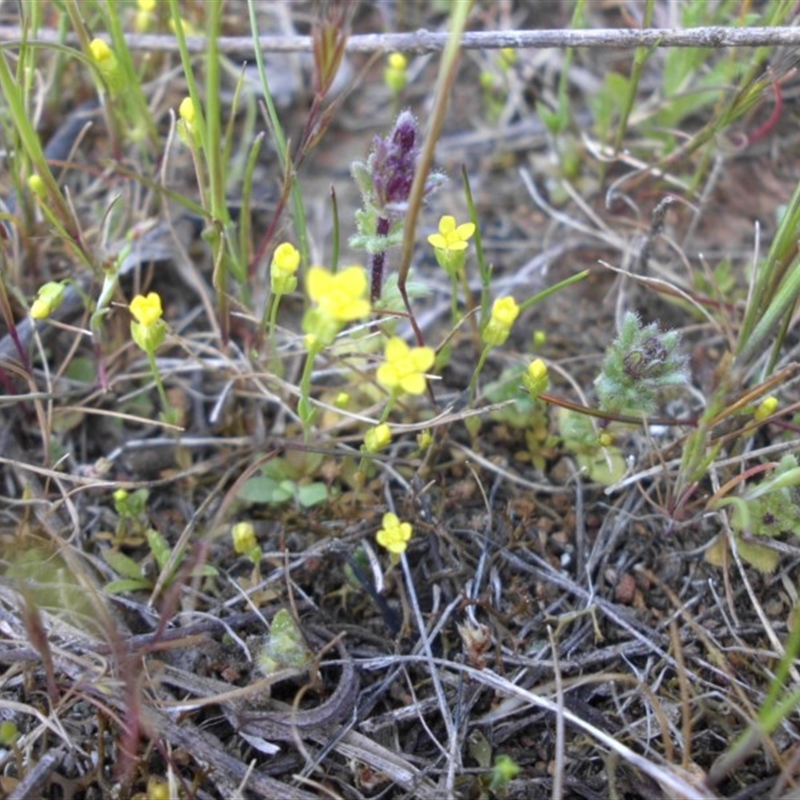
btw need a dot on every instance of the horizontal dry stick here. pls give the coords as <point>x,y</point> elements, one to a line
<point>423,41</point>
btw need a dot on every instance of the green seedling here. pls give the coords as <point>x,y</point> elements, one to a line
<point>768,508</point>
<point>595,452</point>
<point>132,522</point>
<point>504,771</point>
<point>138,577</point>
<point>283,480</point>
<point>525,414</point>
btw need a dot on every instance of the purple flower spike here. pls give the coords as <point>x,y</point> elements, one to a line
<point>394,162</point>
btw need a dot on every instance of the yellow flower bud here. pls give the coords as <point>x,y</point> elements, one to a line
<point>504,312</point>
<point>767,407</point>
<point>395,76</point>
<point>605,439</point>
<point>285,263</point>
<point>37,186</point>
<point>377,438</point>
<point>244,537</point>
<point>107,64</point>
<point>536,379</point>
<point>48,300</point>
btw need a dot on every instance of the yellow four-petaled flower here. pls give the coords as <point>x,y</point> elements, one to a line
<point>405,367</point>
<point>394,535</point>
<point>452,237</point>
<point>450,244</point>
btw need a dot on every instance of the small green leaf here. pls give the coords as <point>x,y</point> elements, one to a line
<point>285,647</point>
<point>158,546</point>
<point>312,494</point>
<point>82,370</point>
<point>127,585</point>
<point>122,564</point>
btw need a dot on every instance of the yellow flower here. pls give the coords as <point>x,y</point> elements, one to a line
<point>450,244</point>
<point>504,312</point>
<point>767,407</point>
<point>187,111</point>
<point>107,64</point>
<point>244,537</point>
<point>338,299</point>
<point>186,26</point>
<point>395,76</point>
<point>146,310</point>
<point>101,52</point>
<point>144,15</point>
<point>148,330</point>
<point>605,439</point>
<point>342,296</point>
<point>405,367</point>
<point>451,237</point>
<point>285,262</point>
<point>536,378</point>
<point>187,124</point>
<point>47,300</point>
<point>394,535</point>
<point>424,439</point>
<point>37,186</point>
<point>507,57</point>
<point>377,438</point>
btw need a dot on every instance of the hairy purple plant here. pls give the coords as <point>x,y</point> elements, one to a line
<point>385,180</point>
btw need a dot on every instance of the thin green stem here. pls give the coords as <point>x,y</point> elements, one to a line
<point>473,384</point>
<point>151,357</point>
<point>447,76</point>
<point>305,408</point>
<point>281,143</point>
